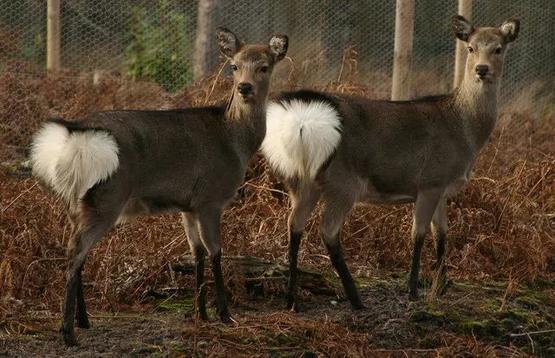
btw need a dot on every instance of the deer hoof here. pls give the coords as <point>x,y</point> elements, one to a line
<point>357,306</point>
<point>413,296</point>
<point>69,337</point>
<point>83,322</point>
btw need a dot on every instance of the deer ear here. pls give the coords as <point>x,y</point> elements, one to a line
<point>228,42</point>
<point>278,46</point>
<point>462,28</point>
<point>510,29</point>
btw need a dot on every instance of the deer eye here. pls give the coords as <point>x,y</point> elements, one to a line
<point>470,49</point>
<point>264,69</point>
<point>498,50</point>
<point>234,67</point>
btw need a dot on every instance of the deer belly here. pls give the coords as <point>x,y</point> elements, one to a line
<point>132,210</point>
<point>373,196</point>
<point>456,186</point>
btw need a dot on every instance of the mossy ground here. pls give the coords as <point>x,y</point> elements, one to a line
<point>476,318</point>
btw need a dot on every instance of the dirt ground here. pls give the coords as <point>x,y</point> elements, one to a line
<point>470,320</point>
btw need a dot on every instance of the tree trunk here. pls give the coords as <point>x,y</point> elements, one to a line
<point>205,56</point>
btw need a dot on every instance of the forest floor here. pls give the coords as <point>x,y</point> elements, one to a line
<point>471,319</point>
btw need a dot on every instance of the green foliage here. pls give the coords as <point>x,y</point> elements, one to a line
<point>28,44</point>
<point>158,47</point>
<point>34,48</point>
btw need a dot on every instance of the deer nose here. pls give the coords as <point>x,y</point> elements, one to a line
<point>482,70</point>
<point>244,88</point>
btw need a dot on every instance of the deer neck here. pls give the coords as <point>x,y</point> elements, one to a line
<point>247,124</point>
<point>476,104</point>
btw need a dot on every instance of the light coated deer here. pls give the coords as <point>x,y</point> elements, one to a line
<point>346,149</point>
<point>118,164</point>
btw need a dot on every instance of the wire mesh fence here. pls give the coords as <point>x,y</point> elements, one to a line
<point>153,41</point>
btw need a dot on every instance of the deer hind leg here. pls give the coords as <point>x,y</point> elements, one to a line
<point>439,226</point>
<point>85,238</point>
<point>336,208</point>
<point>303,202</point>
<point>81,314</point>
<point>209,224</point>
<point>191,224</point>
<point>426,203</point>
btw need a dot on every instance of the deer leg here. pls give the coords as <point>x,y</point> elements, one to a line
<point>209,220</point>
<point>426,203</point>
<point>302,205</point>
<point>190,222</point>
<point>81,314</point>
<point>333,216</point>
<point>82,243</point>
<point>439,225</point>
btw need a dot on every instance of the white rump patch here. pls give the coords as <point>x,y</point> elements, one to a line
<point>72,163</point>
<point>300,137</point>
<point>47,146</point>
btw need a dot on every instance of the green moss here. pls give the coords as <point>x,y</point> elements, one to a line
<point>461,285</point>
<point>483,328</point>
<point>248,340</point>
<point>550,352</point>
<point>330,279</point>
<point>535,297</point>
<point>145,350</point>
<point>516,315</point>
<point>364,282</point>
<point>541,284</point>
<point>274,341</point>
<point>431,341</point>
<point>529,302</point>
<point>485,305</point>
<point>395,281</point>
<point>178,348</point>
<point>429,317</point>
<point>285,339</point>
<point>184,305</point>
<point>211,311</point>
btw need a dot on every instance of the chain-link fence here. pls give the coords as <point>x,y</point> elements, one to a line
<point>330,40</point>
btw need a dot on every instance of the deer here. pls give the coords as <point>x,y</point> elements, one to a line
<point>341,150</point>
<point>115,165</point>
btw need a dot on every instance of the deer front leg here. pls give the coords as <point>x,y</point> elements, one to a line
<point>209,223</point>
<point>191,225</point>
<point>426,203</point>
<point>439,225</point>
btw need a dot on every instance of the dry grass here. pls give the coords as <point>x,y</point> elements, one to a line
<point>501,225</point>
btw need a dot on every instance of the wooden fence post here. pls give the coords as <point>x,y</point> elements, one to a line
<point>402,58</point>
<point>204,57</point>
<point>465,9</point>
<point>53,36</point>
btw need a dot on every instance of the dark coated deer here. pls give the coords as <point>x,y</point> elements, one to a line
<point>346,149</point>
<point>118,164</point>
